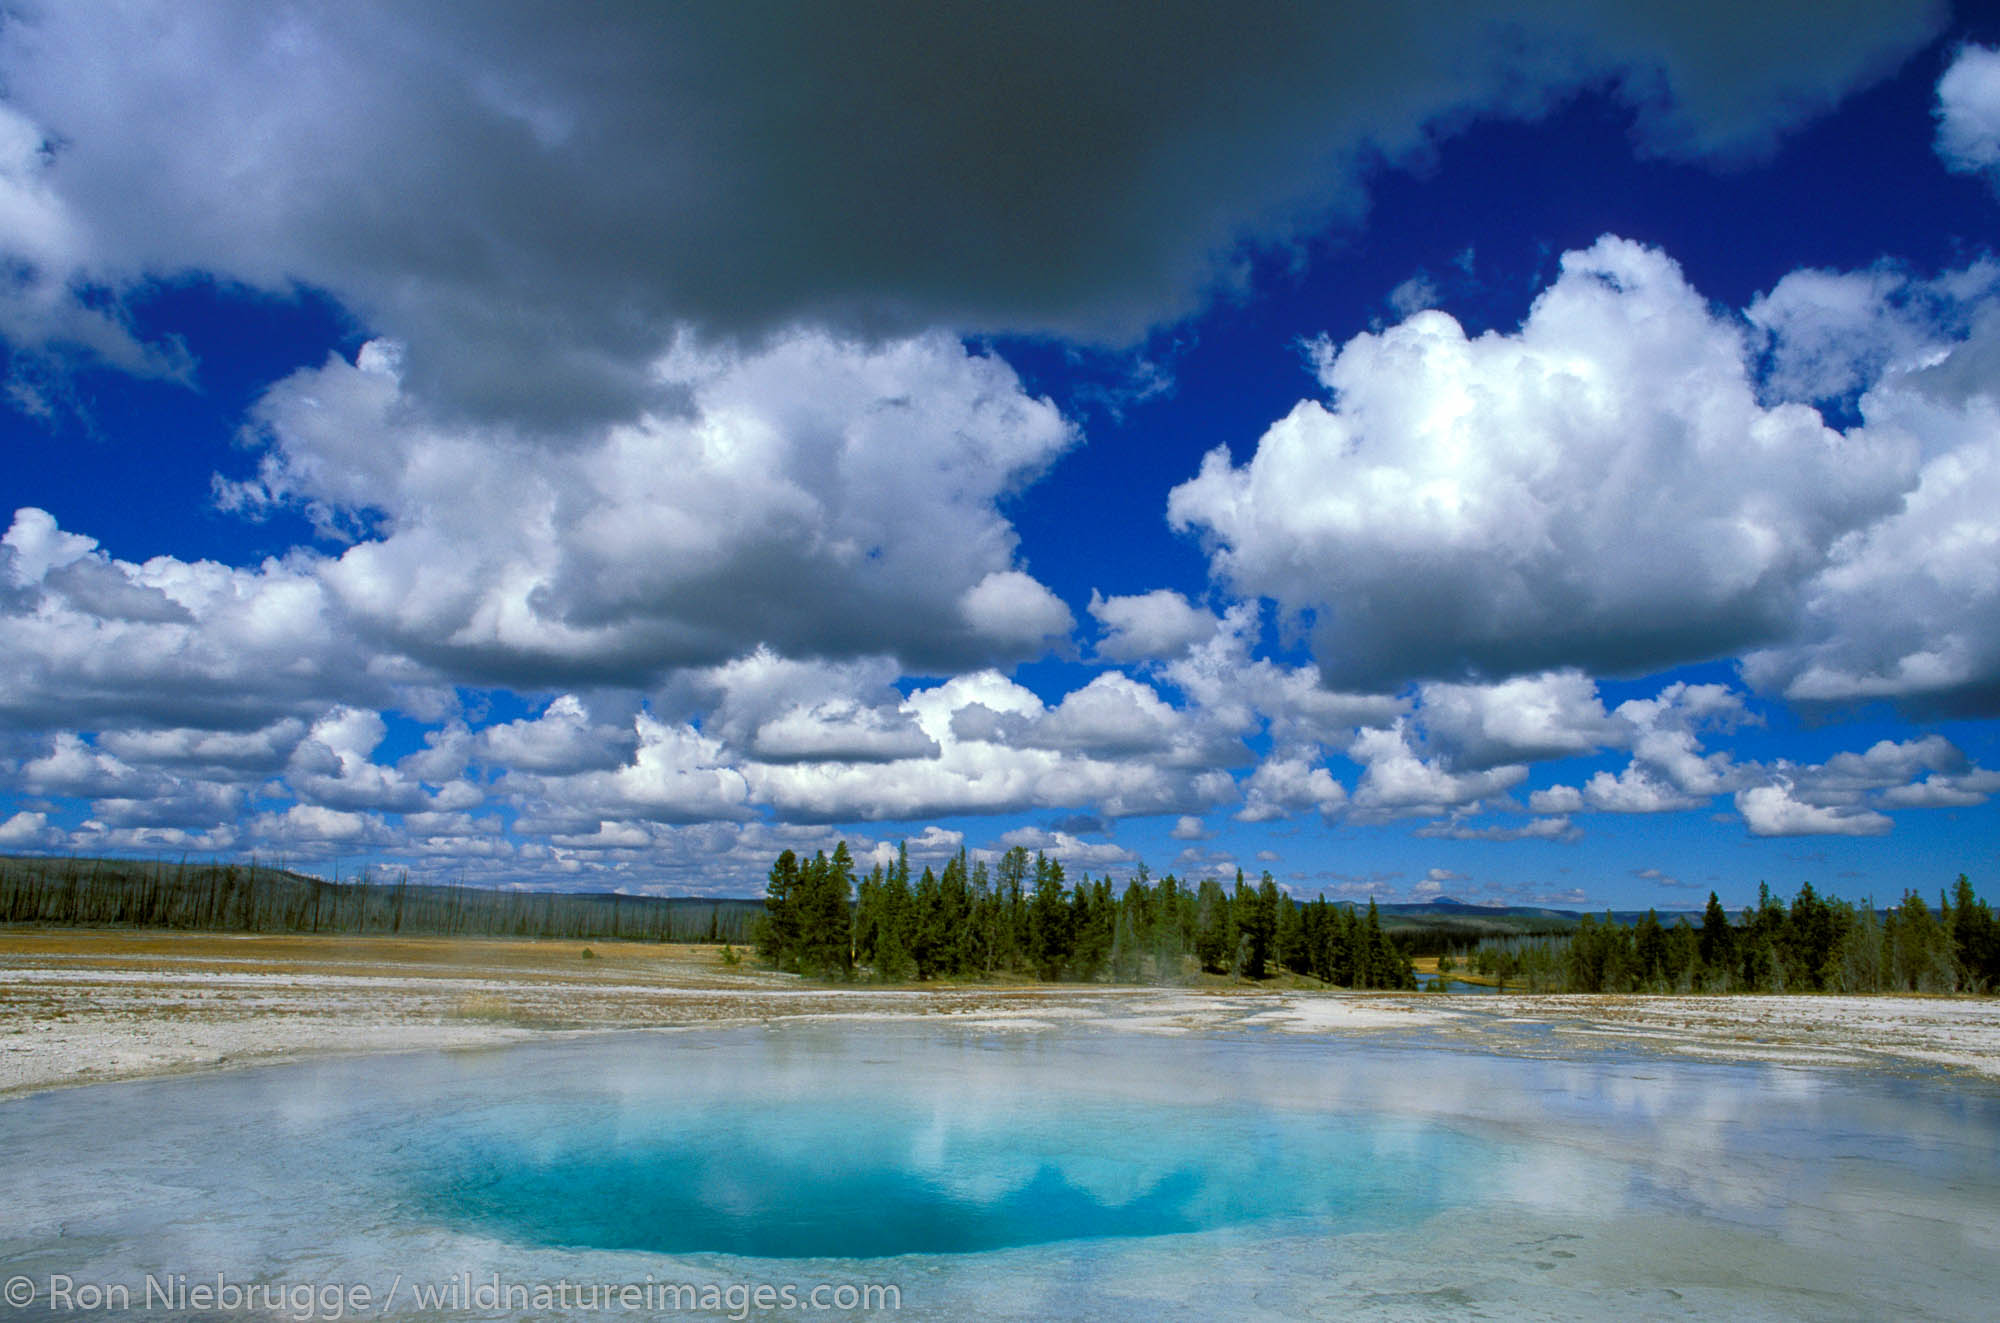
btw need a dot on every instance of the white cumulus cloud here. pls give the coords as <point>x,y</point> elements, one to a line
<point>1968,111</point>
<point>1526,719</point>
<point>1159,625</point>
<point>1396,782</point>
<point>1601,489</point>
<point>816,496</point>
<point>1773,810</point>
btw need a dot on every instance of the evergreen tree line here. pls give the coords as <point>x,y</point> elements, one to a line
<point>1817,944</point>
<point>1023,918</point>
<point>260,899</point>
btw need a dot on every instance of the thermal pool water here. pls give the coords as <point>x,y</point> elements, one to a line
<point>1003,1172</point>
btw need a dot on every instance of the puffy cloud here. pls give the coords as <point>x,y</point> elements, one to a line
<point>841,730</point>
<point>314,831</point>
<point>238,650</point>
<point>676,775</point>
<point>562,739</point>
<point>73,766</point>
<point>1886,763</point>
<point>778,709</point>
<point>1928,771</point>
<point>99,587</point>
<point>1556,799</point>
<point>1014,613</point>
<point>1773,810</point>
<point>38,546</point>
<point>1155,626</point>
<point>45,243</point>
<point>1599,489</point>
<point>1199,862</point>
<point>935,842</point>
<point>1001,749</point>
<point>28,831</point>
<point>1637,789</point>
<point>432,830</point>
<point>1912,611</point>
<point>123,796</point>
<point>743,174</point>
<point>1417,294</point>
<point>97,838</point>
<point>1068,850</point>
<point>1908,608</point>
<point>1284,785</point>
<point>1117,716</point>
<point>1938,790</point>
<point>178,805</point>
<point>1238,693</point>
<point>1665,733</point>
<point>1553,715</point>
<point>1396,782</point>
<point>1968,112</point>
<point>1187,827</point>
<point>333,767</point>
<point>1558,828</point>
<point>215,754</point>
<point>605,452</point>
<point>1668,772</point>
<point>817,496</point>
<point>443,760</point>
<point>1830,335</point>
<point>1844,795</point>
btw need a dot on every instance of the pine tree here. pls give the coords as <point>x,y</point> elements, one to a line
<point>868,917</point>
<point>1759,958</point>
<point>1049,919</point>
<point>778,931</point>
<point>1683,956</point>
<point>1294,951</point>
<point>1215,934</point>
<point>927,940</point>
<point>1918,949</point>
<point>956,957</point>
<point>825,922</point>
<point>1173,927</point>
<point>1718,945</point>
<point>1649,951</point>
<point>1811,938</point>
<point>1975,939</point>
<point>1013,935</point>
<point>1093,923</point>
<point>1858,964</point>
<point>1131,938</point>
<point>1584,961</point>
<point>893,961</point>
<point>1257,915</point>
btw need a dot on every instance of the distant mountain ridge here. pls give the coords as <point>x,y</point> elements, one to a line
<point>1447,905</point>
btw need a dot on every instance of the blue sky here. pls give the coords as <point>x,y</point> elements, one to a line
<point>1546,457</point>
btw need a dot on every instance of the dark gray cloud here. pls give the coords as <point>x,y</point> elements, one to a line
<point>532,196</point>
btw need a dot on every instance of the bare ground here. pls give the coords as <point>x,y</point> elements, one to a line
<point>78,1006</point>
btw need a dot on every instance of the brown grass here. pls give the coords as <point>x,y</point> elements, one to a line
<point>373,956</point>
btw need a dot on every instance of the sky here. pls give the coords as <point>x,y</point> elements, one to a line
<point>1538,454</point>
